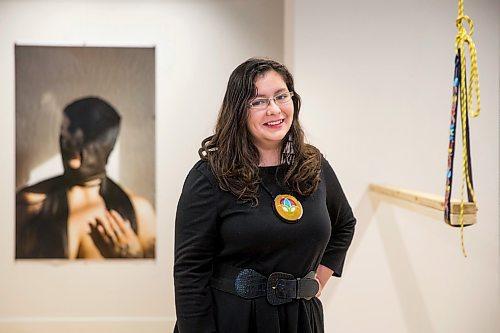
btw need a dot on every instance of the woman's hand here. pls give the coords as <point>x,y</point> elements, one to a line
<point>320,286</point>
<point>323,274</point>
<point>114,237</point>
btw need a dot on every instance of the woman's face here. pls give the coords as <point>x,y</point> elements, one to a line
<point>268,126</point>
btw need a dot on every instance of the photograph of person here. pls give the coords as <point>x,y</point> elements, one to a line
<point>83,213</point>
<point>85,152</point>
<point>262,222</point>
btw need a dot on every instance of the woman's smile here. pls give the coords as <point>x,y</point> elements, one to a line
<point>274,123</point>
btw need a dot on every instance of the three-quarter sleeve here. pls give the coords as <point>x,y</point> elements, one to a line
<point>195,238</point>
<point>342,219</point>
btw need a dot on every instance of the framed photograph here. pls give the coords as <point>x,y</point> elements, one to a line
<point>85,152</point>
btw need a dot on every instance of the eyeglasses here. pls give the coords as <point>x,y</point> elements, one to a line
<point>262,103</point>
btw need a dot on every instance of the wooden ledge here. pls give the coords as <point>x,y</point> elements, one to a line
<point>431,201</point>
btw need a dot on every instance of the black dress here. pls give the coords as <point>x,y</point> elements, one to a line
<point>212,227</point>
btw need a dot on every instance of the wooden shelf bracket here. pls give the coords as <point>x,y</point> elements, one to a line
<point>430,201</point>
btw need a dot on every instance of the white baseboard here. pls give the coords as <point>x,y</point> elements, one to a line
<point>87,324</point>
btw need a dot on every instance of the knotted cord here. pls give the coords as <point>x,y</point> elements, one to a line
<point>463,38</point>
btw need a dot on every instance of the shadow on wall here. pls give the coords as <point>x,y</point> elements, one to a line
<point>412,304</point>
<point>48,116</point>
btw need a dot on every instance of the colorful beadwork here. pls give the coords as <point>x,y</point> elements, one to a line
<point>451,146</point>
<point>288,207</point>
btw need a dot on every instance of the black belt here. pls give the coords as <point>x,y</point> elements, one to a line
<point>279,288</point>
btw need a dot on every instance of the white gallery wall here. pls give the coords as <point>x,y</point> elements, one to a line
<point>375,78</point>
<point>376,82</point>
<point>197,45</point>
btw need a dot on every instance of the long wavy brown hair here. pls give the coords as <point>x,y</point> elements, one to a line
<point>230,152</point>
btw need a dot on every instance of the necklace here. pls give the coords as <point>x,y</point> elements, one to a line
<point>286,206</point>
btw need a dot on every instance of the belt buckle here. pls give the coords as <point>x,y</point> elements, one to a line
<point>276,286</point>
<point>308,286</point>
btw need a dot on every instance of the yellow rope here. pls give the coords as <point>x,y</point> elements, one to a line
<point>461,39</point>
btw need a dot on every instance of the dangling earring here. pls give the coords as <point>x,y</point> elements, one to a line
<point>288,154</point>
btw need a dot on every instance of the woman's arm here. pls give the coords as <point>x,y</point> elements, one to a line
<point>323,274</point>
<point>195,243</point>
<point>342,219</point>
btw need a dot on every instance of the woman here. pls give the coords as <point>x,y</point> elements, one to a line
<point>260,210</point>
